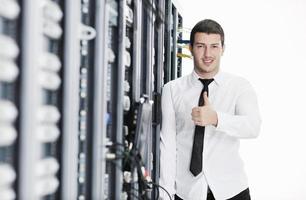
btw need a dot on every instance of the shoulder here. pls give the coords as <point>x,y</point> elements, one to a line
<point>236,83</point>
<point>177,83</point>
<point>176,88</point>
<point>234,79</point>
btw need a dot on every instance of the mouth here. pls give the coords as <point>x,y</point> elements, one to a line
<point>208,61</point>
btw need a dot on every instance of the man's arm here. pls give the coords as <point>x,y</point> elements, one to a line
<point>167,144</point>
<point>246,121</point>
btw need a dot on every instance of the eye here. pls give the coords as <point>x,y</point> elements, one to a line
<point>200,45</point>
<point>215,46</point>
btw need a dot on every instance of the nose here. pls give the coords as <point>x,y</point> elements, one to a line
<point>207,52</point>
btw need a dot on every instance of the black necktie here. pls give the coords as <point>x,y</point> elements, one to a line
<point>198,140</point>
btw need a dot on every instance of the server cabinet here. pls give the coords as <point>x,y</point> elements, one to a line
<point>128,72</point>
<point>80,87</point>
<point>132,82</point>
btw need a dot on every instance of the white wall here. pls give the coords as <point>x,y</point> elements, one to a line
<point>265,42</point>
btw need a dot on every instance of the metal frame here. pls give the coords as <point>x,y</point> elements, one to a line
<point>174,43</point>
<point>160,55</point>
<point>137,50</point>
<point>158,89</point>
<point>29,145</point>
<point>167,67</point>
<point>149,56</point>
<point>149,78</point>
<point>71,101</point>
<point>179,67</point>
<point>99,123</point>
<point>118,138</point>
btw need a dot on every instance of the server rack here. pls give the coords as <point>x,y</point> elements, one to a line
<point>142,74</point>
<point>81,96</point>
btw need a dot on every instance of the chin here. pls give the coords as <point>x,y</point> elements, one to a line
<point>206,69</point>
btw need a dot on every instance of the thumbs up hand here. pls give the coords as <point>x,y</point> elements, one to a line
<point>204,115</point>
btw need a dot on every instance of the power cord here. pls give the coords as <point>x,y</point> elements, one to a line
<point>133,156</point>
<point>159,186</point>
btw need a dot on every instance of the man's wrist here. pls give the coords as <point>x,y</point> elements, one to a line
<point>215,119</point>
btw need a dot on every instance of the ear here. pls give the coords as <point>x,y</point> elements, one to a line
<point>223,49</point>
<point>190,49</point>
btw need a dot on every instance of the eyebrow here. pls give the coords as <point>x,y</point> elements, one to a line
<point>206,44</point>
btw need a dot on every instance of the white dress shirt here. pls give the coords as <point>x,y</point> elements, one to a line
<point>235,102</point>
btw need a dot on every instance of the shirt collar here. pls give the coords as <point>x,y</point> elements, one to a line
<point>219,78</point>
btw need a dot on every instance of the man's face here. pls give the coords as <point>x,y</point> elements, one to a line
<point>207,51</point>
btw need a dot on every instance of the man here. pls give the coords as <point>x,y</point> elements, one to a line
<point>204,115</point>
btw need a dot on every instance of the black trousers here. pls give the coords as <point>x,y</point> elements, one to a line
<point>244,195</point>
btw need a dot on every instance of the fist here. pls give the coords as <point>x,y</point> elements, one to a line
<point>204,115</point>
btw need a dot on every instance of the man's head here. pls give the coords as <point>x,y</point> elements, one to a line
<point>207,26</point>
<point>207,46</point>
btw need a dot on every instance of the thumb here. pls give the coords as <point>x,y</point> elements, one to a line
<point>206,100</point>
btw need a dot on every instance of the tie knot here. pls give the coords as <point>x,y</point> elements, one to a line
<point>206,82</point>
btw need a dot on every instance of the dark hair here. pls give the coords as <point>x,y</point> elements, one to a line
<point>207,26</point>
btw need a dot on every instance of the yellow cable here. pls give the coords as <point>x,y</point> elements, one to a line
<point>182,55</point>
